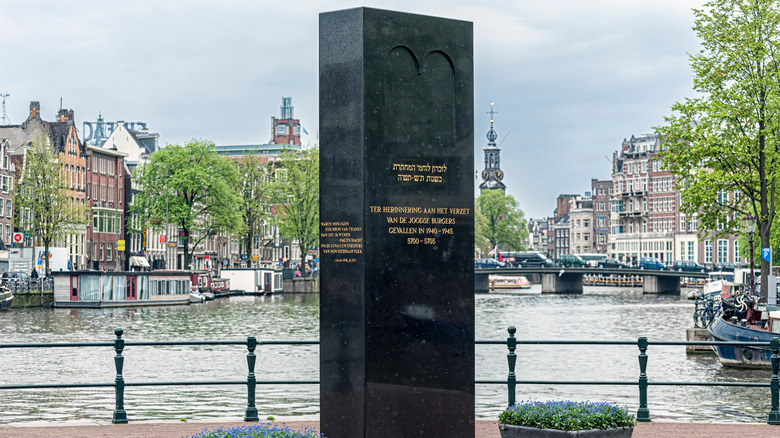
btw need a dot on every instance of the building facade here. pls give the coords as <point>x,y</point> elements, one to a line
<point>7,177</point>
<point>581,225</point>
<point>601,192</point>
<point>106,189</point>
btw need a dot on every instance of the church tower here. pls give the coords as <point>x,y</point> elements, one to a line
<point>492,174</point>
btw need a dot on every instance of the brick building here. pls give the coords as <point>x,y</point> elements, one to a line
<point>106,182</point>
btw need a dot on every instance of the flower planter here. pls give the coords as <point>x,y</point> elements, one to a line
<point>510,431</point>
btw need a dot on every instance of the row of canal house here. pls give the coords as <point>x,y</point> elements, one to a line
<point>634,214</point>
<point>99,170</point>
<point>95,179</point>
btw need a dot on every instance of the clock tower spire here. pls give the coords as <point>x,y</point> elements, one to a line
<point>492,174</point>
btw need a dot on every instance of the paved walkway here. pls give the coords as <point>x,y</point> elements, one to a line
<point>484,429</point>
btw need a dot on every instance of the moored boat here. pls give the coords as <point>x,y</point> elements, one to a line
<point>6,298</point>
<point>509,282</point>
<point>743,320</point>
<point>121,289</point>
<point>744,331</point>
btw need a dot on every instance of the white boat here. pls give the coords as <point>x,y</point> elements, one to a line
<point>208,295</point>
<point>196,297</point>
<point>509,282</point>
<point>6,298</point>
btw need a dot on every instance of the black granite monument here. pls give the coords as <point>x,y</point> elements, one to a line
<point>397,225</point>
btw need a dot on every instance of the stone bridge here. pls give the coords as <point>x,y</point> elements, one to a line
<point>569,280</point>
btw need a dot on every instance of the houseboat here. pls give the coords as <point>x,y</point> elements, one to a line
<point>254,281</point>
<point>121,289</point>
<point>220,287</point>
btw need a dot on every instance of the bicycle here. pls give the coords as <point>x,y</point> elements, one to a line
<point>706,310</point>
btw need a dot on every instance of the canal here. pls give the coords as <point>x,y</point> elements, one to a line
<point>597,314</point>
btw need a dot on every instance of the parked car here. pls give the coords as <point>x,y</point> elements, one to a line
<point>610,263</point>
<point>688,266</point>
<point>593,259</point>
<point>572,261</point>
<point>651,263</point>
<point>488,264</point>
<point>724,267</point>
<point>14,277</point>
<point>532,259</point>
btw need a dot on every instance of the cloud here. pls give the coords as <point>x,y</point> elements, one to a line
<point>570,78</point>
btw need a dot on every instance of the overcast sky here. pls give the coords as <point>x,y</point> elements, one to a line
<point>570,78</point>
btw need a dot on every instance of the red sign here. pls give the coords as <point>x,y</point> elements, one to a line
<point>18,237</point>
<point>207,257</point>
<point>162,238</point>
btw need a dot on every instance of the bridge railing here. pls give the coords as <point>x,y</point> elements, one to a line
<point>643,383</point>
<point>251,414</point>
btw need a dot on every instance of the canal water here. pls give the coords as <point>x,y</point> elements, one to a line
<point>597,314</point>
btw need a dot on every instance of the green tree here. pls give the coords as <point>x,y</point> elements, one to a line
<point>42,198</point>
<point>297,195</point>
<point>256,193</point>
<point>192,187</point>
<point>499,221</point>
<point>723,145</point>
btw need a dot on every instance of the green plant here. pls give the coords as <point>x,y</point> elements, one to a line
<point>263,430</point>
<point>567,415</point>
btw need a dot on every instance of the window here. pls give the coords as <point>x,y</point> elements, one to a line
<point>708,251</point>
<point>102,250</point>
<point>281,129</point>
<point>105,221</point>
<point>690,251</point>
<point>723,250</point>
<point>109,251</point>
<point>8,208</point>
<point>737,256</point>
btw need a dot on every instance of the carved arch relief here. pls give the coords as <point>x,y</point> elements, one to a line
<point>419,101</point>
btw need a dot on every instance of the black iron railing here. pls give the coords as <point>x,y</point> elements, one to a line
<point>511,381</point>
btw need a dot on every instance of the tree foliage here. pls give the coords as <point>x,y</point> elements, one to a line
<point>256,192</point>
<point>192,187</point>
<point>44,205</point>
<point>723,144</point>
<point>297,196</point>
<point>499,221</point>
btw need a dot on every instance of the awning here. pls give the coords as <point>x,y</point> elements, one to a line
<point>139,261</point>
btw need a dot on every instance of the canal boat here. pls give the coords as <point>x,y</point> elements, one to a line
<point>509,282</point>
<point>254,281</point>
<point>220,287</point>
<point>743,320</point>
<point>745,331</point>
<point>6,298</point>
<point>121,289</point>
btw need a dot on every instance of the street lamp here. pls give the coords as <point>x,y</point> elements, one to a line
<point>750,227</point>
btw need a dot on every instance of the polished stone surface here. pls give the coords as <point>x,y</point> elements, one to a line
<point>397,243</point>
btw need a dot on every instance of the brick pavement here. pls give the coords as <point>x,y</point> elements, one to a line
<point>484,429</point>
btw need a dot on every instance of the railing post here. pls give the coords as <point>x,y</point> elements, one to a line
<point>642,414</point>
<point>120,416</point>
<point>511,358</point>
<point>774,414</point>
<point>251,381</point>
